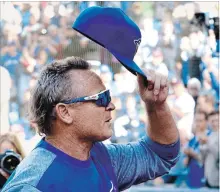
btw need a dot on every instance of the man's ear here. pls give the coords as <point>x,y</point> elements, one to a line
<point>63,113</point>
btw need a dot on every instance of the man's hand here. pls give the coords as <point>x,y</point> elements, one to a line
<point>203,139</point>
<point>162,127</point>
<point>191,153</point>
<point>156,91</point>
<point>187,151</point>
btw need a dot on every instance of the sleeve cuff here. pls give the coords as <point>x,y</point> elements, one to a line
<point>167,152</point>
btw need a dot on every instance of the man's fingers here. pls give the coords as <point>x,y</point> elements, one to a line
<point>150,75</point>
<point>141,82</point>
<point>156,81</point>
<point>157,85</point>
<point>163,81</point>
<point>150,78</point>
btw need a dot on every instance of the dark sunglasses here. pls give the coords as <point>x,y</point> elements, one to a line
<point>101,99</point>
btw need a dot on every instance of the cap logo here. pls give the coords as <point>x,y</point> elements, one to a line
<point>137,43</point>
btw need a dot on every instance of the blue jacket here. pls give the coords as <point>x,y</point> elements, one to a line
<point>110,168</point>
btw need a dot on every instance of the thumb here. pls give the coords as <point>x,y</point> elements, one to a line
<point>142,82</point>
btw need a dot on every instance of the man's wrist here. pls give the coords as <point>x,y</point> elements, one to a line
<point>154,107</point>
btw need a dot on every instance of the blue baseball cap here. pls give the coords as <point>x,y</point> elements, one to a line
<point>113,29</point>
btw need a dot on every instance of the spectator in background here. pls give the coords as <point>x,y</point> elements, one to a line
<point>135,12</point>
<point>184,59</point>
<point>157,61</point>
<point>90,49</point>
<point>26,14</point>
<point>106,74</point>
<point>30,41</point>
<point>9,141</point>
<point>195,176</point>
<point>195,52</point>
<point>210,76</point>
<point>55,20</point>
<point>182,106</point>
<point>169,45</point>
<point>127,125</point>
<point>194,88</point>
<point>41,60</point>
<point>33,25</point>
<point>11,60</point>
<point>206,58</point>
<point>5,85</point>
<point>210,151</point>
<point>206,102</point>
<point>25,70</point>
<point>53,34</point>
<point>72,47</point>
<point>44,43</point>
<point>45,21</point>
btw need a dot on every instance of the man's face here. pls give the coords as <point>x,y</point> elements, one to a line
<point>193,90</point>
<point>200,121</point>
<point>12,49</point>
<point>214,122</point>
<point>91,122</point>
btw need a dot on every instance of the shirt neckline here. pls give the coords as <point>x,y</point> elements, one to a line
<point>60,154</point>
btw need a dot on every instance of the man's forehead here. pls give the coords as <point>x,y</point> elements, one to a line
<point>84,76</point>
<point>86,80</point>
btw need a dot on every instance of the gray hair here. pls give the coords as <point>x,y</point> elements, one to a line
<point>194,82</point>
<point>53,85</point>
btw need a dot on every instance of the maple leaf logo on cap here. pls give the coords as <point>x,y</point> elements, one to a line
<point>137,43</point>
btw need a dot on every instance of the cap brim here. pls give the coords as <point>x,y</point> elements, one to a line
<point>128,64</point>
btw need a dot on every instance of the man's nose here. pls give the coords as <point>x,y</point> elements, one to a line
<point>110,107</point>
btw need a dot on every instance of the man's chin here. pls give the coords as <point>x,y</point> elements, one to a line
<point>106,136</point>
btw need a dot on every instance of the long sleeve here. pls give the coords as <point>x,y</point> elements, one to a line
<point>215,84</point>
<point>203,153</point>
<point>141,161</point>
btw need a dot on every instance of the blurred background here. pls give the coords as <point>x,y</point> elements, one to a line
<point>184,36</point>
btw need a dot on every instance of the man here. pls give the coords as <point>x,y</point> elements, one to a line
<point>11,59</point>
<point>183,106</point>
<point>5,86</point>
<point>73,110</point>
<point>210,152</point>
<point>194,88</point>
<point>157,61</point>
<point>195,177</point>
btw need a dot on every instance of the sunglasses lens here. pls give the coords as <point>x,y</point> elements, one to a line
<point>99,102</point>
<point>104,99</point>
<point>108,97</point>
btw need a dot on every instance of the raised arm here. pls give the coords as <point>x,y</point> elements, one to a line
<point>141,161</point>
<point>162,128</point>
<point>155,154</point>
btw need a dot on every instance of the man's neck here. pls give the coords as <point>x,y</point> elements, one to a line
<point>71,146</point>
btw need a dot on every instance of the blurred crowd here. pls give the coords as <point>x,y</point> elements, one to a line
<point>33,34</point>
